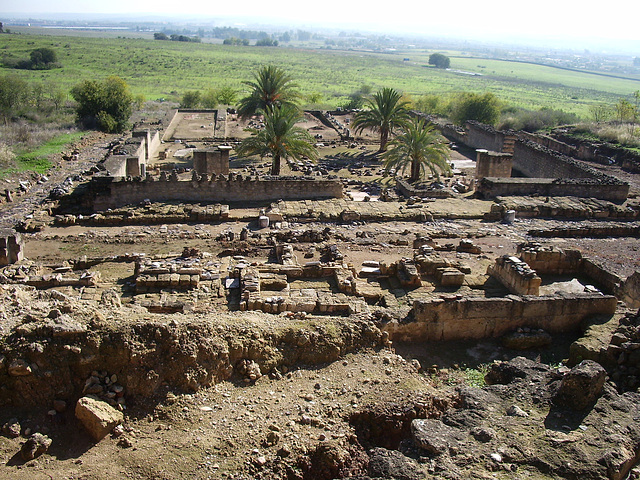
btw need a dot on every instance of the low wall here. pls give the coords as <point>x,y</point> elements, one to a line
<point>491,187</point>
<point>516,275</point>
<point>409,191</point>
<point>117,192</point>
<point>441,319</point>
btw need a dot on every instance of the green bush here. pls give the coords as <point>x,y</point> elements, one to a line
<point>105,105</point>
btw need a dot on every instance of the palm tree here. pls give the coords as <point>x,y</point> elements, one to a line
<point>279,138</point>
<point>421,148</point>
<point>270,86</point>
<point>386,113</point>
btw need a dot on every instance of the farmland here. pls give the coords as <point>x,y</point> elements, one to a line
<point>161,69</point>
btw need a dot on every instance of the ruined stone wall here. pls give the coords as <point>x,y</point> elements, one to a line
<point>536,161</point>
<point>493,164</point>
<point>549,142</point>
<point>453,318</point>
<point>454,133</point>
<point>484,136</point>
<point>11,247</point>
<point>211,160</point>
<point>516,275</point>
<point>584,188</point>
<point>557,261</point>
<point>409,191</point>
<point>116,192</point>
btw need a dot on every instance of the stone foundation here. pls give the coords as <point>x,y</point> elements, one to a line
<point>112,193</point>
<point>453,318</point>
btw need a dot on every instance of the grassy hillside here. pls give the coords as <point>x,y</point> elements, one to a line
<point>164,69</point>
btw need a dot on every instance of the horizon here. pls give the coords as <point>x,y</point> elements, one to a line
<point>495,21</point>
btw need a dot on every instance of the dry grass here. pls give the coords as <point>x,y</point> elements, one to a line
<point>627,134</point>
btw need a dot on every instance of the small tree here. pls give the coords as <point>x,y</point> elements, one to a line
<point>483,108</point>
<point>190,99</point>
<point>226,95</point>
<point>42,58</point>
<point>106,105</point>
<point>439,60</point>
<point>13,95</point>
<point>420,148</point>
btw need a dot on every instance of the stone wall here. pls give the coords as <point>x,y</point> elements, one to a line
<point>486,137</point>
<point>491,187</point>
<point>493,164</point>
<point>409,191</point>
<point>516,275</point>
<point>11,247</point>
<point>212,160</point>
<point>452,318</point>
<point>551,143</point>
<point>535,161</point>
<point>557,261</point>
<point>117,192</point>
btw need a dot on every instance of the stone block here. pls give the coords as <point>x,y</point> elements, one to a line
<point>98,417</point>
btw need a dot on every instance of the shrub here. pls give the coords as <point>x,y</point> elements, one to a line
<point>106,105</point>
<point>483,108</point>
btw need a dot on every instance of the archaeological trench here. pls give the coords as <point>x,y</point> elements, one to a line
<point>171,311</point>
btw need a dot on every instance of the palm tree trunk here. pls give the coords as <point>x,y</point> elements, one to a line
<point>415,171</point>
<point>275,165</point>
<point>384,138</point>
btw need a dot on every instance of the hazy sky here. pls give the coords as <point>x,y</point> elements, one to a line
<point>614,19</point>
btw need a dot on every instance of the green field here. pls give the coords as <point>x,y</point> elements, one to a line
<point>164,69</point>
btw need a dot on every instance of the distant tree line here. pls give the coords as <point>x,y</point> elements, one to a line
<point>240,42</point>
<point>174,37</point>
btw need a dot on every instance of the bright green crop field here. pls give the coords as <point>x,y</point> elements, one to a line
<point>165,69</point>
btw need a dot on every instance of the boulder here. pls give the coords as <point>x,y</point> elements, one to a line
<point>391,464</point>
<point>36,445</point>
<point>98,417</point>
<point>434,436</point>
<point>582,386</point>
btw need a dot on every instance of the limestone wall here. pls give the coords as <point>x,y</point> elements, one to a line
<point>486,137</point>
<point>453,318</point>
<point>11,247</point>
<point>516,275</point>
<point>491,187</point>
<point>117,192</point>
<point>493,164</point>
<point>535,161</point>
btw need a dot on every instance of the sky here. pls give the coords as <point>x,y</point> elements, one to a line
<point>494,19</point>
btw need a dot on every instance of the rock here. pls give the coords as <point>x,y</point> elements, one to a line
<point>525,341</point>
<point>434,436</point>
<point>391,464</point>
<point>98,417</point>
<point>12,428</point>
<point>581,387</point>
<point>483,434</point>
<point>516,411</point>
<point>59,405</point>
<point>36,445</point>
<point>110,298</point>
<point>19,368</point>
